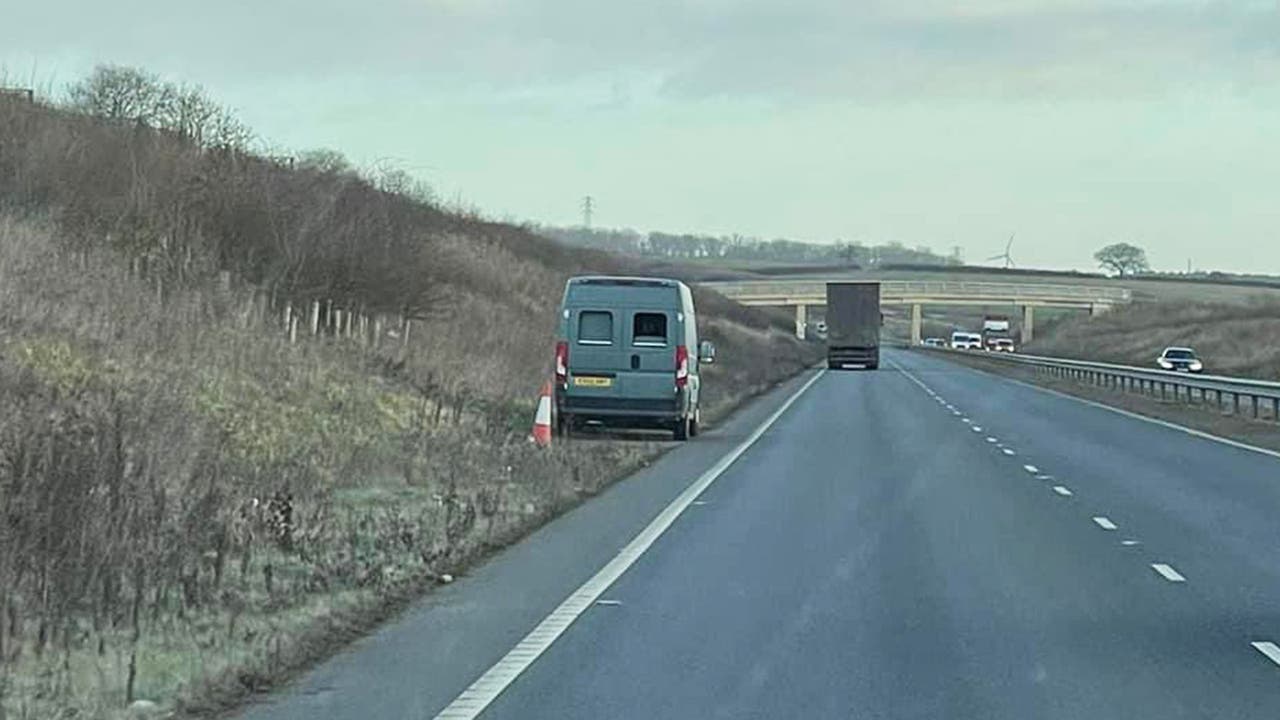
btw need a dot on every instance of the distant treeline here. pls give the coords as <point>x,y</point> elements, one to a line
<point>687,246</point>
<point>1206,278</point>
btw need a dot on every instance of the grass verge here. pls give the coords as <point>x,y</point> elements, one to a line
<point>194,506</point>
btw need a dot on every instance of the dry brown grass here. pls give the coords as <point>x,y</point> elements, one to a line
<point>147,407</point>
<point>137,435</point>
<point>1233,338</point>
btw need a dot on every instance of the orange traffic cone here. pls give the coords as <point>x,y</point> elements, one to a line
<point>542,419</point>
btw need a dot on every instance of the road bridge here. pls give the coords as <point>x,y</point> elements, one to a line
<point>801,293</point>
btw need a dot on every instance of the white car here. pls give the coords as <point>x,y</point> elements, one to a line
<point>1180,359</point>
<point>1000,345</point>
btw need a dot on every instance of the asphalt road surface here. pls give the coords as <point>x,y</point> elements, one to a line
<point>925,541</point>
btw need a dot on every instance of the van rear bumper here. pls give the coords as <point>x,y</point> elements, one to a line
<point>621,411</point>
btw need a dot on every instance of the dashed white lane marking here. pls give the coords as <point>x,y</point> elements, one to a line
<point>1269,649</point>
<point>1168,573</point>
<point>481,693</point>
<point>608,602</point>
<point>1129,543</point>
<point>957,413</point>
<point>1007,451</point>
<point>1061,490</point>
<point>975,428</point>
<point>1031,469</point>
<point>966,421</point>
<point>698,503</point>
<point>1136,416</point>
<point>1044,477</point>
<point>1104,522</point>
<point>991,439</point>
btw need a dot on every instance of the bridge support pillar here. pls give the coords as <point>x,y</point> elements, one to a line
<point>917,320</point>
<point>802,319</point>
<point>1028,323</point>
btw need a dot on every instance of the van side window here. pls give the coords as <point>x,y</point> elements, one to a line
<point>595,327</point>
<point>649,329</point>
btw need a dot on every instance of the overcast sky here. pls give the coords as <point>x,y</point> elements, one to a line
<point>1073,123</point>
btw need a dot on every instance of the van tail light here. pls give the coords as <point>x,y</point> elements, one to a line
<point>562,363</point>
<point>682,366</point>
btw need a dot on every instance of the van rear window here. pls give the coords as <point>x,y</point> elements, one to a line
<point>649,329</point>
<point>595,327</point>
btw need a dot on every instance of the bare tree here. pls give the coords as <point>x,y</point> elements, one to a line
<point>120,93</point>
<point>1122,259</point>
<point>326,161</point>
<point>129,94</point>
<point>189,114</point>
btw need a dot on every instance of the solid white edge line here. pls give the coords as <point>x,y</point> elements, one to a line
<point>1136,416</point>
<point>1104,522</point>
<point>481,693</point>
<point>1168,573</point>
<point>1269,649</point>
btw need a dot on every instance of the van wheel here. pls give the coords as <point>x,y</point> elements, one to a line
<point>695,425</point>
<point>681,431</point>
<point>564,426</point>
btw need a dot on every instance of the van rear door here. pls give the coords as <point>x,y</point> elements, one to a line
<point>651,336</point>
<point>624,353</point>
<point>595,346</point>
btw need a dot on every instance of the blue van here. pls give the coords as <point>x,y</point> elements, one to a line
<point>627,355</point>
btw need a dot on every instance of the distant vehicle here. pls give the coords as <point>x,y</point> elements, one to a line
<point>995,323</point>
<point>1180,359</point>
<point>934,342</point>
<point>961,340</point>
<point>1000,345</point>
<point>997,342</point>
<point>995,329</point>
<point>853,324</point>
<point>625,355</point>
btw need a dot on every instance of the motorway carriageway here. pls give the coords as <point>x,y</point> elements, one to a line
<point>925,541</point>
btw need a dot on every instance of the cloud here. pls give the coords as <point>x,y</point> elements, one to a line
<point>773,49</point>
<point>991,49</point>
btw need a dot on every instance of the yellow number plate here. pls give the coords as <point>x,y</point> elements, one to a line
<point>592,381</point>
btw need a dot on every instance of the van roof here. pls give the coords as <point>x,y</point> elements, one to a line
<point>624,280</point>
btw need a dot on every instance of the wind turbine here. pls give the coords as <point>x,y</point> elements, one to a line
<point>1006,257</point>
